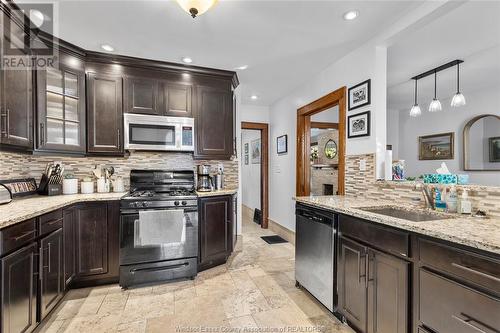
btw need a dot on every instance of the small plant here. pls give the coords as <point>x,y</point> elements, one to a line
<point>69,176</point>
<point>314,153</point>
<point>87,179</point>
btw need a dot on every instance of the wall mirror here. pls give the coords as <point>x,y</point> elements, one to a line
<point>331,149</point>
<point>482,143</point>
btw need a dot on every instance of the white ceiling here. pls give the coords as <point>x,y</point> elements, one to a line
<point>284,43</point>
<point>470,32</point>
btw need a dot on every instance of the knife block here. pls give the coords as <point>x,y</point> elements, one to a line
<point>48,189</point>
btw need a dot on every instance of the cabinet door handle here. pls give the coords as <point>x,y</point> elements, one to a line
<point>27,233</point>
<point>469,321</point>
<point>3,123</point>
<point>48,257</point>
<point>40,264</point>
<point>119,144</point>
<point>42,135</point>
<point>7,126</point>
<point>360,258</point>
<point>473,271</point>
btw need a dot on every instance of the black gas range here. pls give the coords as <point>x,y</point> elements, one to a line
<point>158,227</point>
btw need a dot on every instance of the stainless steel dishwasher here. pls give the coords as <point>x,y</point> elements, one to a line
<point>315,260</point>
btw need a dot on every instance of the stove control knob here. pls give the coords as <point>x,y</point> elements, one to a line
<point>138,204</point>
<point>176,203</point>
<point>184,203</point>
<point>147,204</point>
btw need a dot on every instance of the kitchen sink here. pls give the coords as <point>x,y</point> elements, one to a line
<point>414,215</point>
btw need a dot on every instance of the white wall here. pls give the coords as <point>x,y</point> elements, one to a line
<point>448,120</point>
<point>367,62</point>
<point>250,173</point>
<point>393,132</point>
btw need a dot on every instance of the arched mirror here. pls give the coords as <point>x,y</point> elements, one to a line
<point>482,143</point>
<point>331,149</point>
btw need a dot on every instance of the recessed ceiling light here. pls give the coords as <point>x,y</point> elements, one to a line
<point>241,68</point>
<point>351,15</point>
<point>254,97</point>
<point>187,60</point>
<point>107,47</point>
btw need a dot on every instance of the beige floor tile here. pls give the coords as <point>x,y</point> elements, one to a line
<point>241,323</point>
<point>94,324</point>
<point>113,303</point>
<point>244,302</point>
<point>287,318</point>
<point>68,308</point>
<point>134,327</point>
<point>310,306</point>
<point>329,324</point>
<point>140,307</point>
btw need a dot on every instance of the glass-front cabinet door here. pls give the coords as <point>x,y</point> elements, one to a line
<point>61,110</point>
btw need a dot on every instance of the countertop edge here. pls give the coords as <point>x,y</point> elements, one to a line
<point>229,191</point>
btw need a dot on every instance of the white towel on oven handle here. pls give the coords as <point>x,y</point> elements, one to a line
<point>160,227</point>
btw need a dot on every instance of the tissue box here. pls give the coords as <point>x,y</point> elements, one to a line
<point>436,178</point>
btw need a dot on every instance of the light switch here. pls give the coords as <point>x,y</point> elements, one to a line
<point>277,169</point>
<point>362,165</point>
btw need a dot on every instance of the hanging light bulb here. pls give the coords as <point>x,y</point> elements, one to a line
<point>196,7</point>
<point>458,99</point>
<point>415,109</point>
<point>435,105</point>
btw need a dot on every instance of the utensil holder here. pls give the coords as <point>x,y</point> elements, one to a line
<point>70,186</point>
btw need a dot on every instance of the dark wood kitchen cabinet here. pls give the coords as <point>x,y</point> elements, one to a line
<point>104,114</point>
<point>177,99</point>
<point>61,107</point>
<point>51,271</point>
<point>214,123</point>
<point>16,92</point>
<point>141,95</point>
<point>373,286</point>
<point>69,241</point>
<point>91,239</point>
<point>215,230</point>
<point>19,290</point>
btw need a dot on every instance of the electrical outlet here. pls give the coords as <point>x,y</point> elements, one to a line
<point>362,165</point>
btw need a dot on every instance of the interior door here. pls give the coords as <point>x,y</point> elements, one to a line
<point>352,281</point>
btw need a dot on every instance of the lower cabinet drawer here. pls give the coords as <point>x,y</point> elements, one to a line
<point>448,307</point>
<point>15,236</point>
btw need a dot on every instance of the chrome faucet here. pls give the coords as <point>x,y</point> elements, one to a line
<point>429,201</point>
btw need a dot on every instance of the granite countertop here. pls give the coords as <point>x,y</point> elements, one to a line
<point>226,191</point>
<point>478,233</point>
<point>19,210</point>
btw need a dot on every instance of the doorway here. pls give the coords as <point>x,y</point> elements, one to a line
<point>254,164</point>
<point>321,145</point>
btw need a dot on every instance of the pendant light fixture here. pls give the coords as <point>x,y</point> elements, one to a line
<point>415,109</point>
<point>435,105</point>
<point>196,7</point>
<point>458,99</point>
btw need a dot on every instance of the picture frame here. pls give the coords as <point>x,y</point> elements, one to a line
<point>359,95</point>
<point>246,148</point>
<point>282,144</point>
<point>494,149</point>
<point>246,159</point>
<point>255,151</point>
<point>436,146</point>
<point>358,125</point>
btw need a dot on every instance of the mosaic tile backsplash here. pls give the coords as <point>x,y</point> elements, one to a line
<point>363,184</point>
<point>15,165</point>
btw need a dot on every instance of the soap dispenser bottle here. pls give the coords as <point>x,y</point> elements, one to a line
<point>464,204</point>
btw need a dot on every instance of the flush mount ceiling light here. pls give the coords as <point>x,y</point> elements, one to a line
<point>241,68</point>
<point>351,15</point>
<point>435,105</point>
<point>458,99</point>
<point>107,47</point>
<point>196,7</point>
<point>415,109</point>
<point>254,97</point>
<point>187,60</point>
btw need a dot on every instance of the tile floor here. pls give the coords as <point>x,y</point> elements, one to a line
<point>254,292</point>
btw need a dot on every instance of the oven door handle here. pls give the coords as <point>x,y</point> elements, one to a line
<point>158,269</point>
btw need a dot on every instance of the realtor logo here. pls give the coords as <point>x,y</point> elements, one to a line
<point>28,33</point>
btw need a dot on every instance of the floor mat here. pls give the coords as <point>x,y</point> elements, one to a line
<point>275,239</point>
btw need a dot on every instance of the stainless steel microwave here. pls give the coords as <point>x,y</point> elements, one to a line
<point>147,132</point>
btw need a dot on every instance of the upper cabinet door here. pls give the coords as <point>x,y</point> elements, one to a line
<point>105,114</point>
<point>61,110</point>
<point>177,99</point>
<point>214,123</point>
<point>141,95</point>
<point>16,107</point>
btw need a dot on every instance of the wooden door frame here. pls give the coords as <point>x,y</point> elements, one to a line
<point>303,171</point>
<point>264,167</point>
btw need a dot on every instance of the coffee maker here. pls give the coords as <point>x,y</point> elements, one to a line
<point>205,181</point>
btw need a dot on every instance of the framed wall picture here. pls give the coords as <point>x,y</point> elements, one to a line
<point>494,148</point>
<point>359,95</point>
<point>246,148</point>
<point>246,159</point>
<point>358,125</point>
<point>436,146</point>
<point>282,144</point>
<point>255,146</point>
